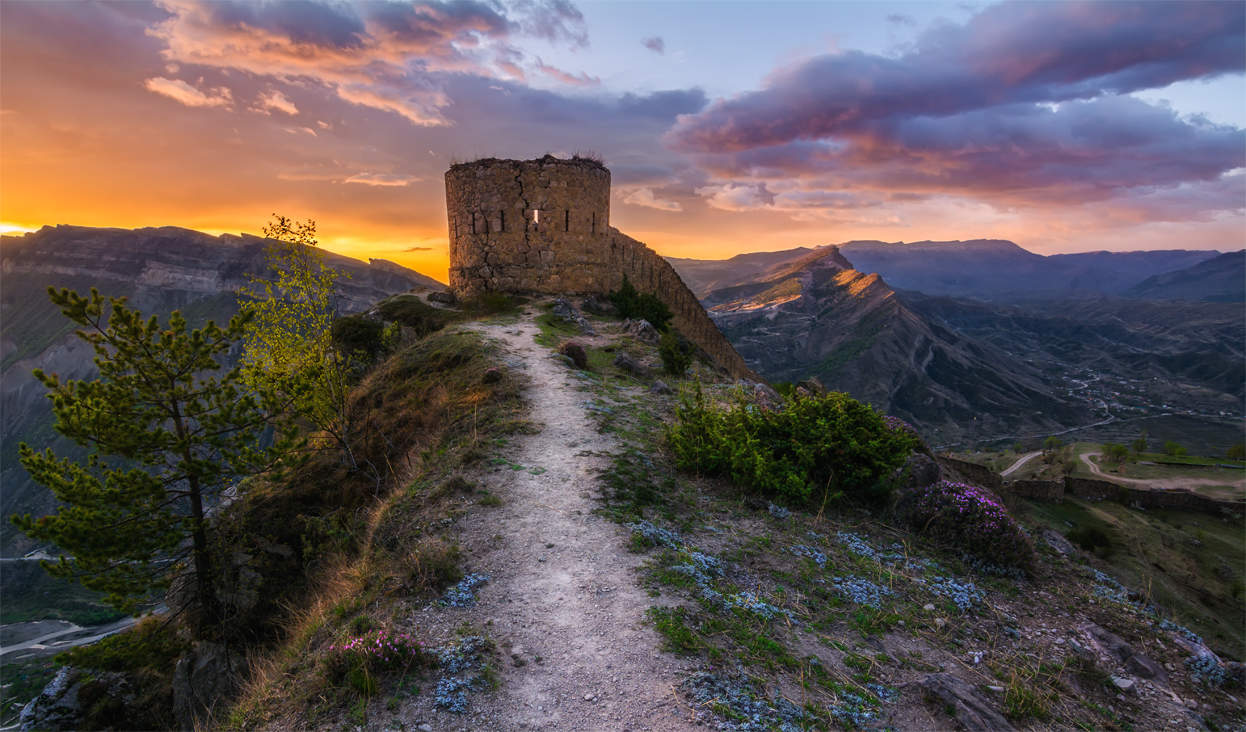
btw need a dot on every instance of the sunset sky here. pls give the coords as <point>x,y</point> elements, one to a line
<point>728,127</point>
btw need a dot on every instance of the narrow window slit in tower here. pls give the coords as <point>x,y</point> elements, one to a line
<point>566,222</point>
<point>536,216</point>
<point>501,221</point>
<point>473,222</point>
<point>594,222</point>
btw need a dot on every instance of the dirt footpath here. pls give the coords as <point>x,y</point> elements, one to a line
<point>562,601</point>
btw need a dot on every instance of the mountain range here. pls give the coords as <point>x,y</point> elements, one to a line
<point>990,269</point>
<point>987,340</point>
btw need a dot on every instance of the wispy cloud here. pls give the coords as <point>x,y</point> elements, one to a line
<point>381,179</point>
<point>182,92</point>
<point>646,197</point>
<point>655,44</point>
<point>566,77</point>
<point>737,196</point>
<point>275,101</point>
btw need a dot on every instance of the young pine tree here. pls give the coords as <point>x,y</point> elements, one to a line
<point>168,429</point>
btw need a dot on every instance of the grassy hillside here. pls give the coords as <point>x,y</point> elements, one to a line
<point>811,612</point>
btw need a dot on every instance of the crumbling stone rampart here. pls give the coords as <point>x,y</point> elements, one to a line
<point>543,226</point>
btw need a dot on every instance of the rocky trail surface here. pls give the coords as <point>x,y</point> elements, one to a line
<point>562,603</point>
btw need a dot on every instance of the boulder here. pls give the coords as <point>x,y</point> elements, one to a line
<point>1116,650</point>
<point>920,470</point>
<point>73,694</point>
<point>445,298</point>
<point>812,386</point>
<point>660,387</point>
<point>200,678</point>
<point>575,352</point>
<point>566,311</point>
<point>598,306</point>
<point>1057,541</point>
<point>641,330</point>
<point>630,365</point>
<point>492,375</point>
<point>973,710</point>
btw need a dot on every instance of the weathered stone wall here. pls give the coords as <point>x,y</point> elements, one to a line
<point>649,272</point>
<point>1088,489</point>
<point>543,226</point>
<point>971,472</point>
<point>1041,490</point>
<point>527,225</point>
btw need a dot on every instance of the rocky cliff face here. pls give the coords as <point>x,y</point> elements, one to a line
<point>159,270</point>
<point>819,316</point>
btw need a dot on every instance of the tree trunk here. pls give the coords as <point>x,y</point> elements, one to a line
<point>202,559</point>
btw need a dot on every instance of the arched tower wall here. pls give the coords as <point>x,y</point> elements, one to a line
<point>527,225</point>
<point>500,243</point>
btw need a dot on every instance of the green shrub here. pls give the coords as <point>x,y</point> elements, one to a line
<point>357,334</point>
<point>1091,539</point>
<point>642,305</point>
<point>414,313</point>
<point>815,448</point>
<point>491,303</point>
<point>968,519</point>
<point>151,644</point>
<point>1174,449</point>
<point>676,356</point>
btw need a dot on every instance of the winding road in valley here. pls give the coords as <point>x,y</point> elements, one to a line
<point>1163,484</point>
<point>1020,461</point>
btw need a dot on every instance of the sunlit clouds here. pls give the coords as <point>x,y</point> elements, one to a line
<point>180,91</point>
<point>1038,122</point>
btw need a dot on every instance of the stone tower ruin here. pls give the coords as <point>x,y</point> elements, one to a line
<point>543,226</point>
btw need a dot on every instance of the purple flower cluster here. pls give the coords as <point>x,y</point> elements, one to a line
<point>895,424</point>
<point>376,651</point>
<point>967,518</point>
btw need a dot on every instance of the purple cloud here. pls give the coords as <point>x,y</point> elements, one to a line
<point>1024,104</point>
<point>1009,53</point>
<point>655,44</point>
<point>382,55</point>
<point>1076,151</point>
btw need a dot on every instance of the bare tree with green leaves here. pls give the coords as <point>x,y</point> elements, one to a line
<point>168,428</point>
<point>287,343</point>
